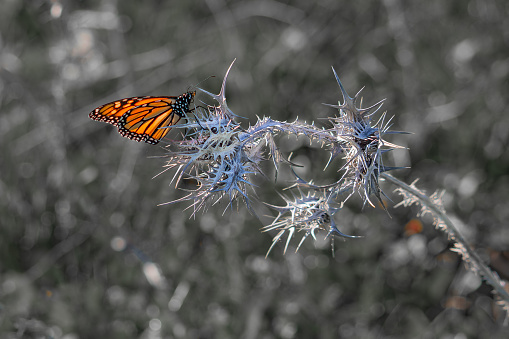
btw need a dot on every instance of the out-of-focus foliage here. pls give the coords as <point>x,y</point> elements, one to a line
<point>85,251</point>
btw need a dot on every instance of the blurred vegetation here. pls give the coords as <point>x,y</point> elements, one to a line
<point>86,252</point>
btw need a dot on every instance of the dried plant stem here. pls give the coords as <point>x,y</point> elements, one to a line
<point>469,255</point>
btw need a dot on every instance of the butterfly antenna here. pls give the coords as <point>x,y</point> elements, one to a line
<point>196,85</point>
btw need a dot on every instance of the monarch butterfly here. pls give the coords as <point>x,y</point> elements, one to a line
<point>144,118</point>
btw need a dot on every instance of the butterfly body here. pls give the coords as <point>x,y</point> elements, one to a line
<point>144,118</point>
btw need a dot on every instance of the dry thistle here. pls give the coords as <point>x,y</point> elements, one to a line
<point>353,134</point>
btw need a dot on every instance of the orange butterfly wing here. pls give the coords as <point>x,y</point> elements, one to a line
<point>113,111</point>
<point>144,118</point>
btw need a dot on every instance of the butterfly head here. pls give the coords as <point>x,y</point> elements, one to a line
<point>189,96</point>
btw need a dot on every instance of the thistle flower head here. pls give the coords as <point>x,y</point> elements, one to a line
<point>217,153</point>
<point>215,157</point>
<point>354,135</point>
<point>308,213</point>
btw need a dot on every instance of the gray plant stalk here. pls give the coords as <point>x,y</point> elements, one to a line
<point>433,205</point>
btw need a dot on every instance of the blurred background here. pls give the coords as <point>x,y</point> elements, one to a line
<point>86,252</point>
